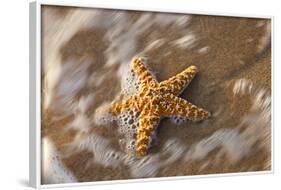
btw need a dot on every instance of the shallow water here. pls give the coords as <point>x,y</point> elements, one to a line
<point>86,57</point>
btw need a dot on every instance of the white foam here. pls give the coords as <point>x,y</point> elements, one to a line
<point>204,50</point>
<point>57,31</point>
<point>265,39</point>
<point>85,103</point>
<point>128,122</point>
<point>154,45</point>
<point>186,41</point>
<point>122,47</point>
<point>53,169</point>
<point>228,139</point>
<point>81,123</point>
<point>99,146</point>
<point>72,79</point>
<point>97,79</point>
<point>259,121</point>
<point>183,21</point>
<point>102,115</point>
<point>174,149</point>
<point>129,81</point>
<point>242,86</point>
<point>146,167</point>
<point>123,43</point>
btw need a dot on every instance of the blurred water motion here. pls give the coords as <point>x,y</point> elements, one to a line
<point>85,60</point>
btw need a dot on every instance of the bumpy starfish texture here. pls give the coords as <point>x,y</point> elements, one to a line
<point>158,99</point>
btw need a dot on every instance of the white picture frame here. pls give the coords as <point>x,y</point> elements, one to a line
<point>35,93</point>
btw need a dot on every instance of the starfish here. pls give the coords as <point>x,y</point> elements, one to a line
<point>155,100</point>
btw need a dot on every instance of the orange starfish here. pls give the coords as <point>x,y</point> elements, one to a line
<point>155,100</point>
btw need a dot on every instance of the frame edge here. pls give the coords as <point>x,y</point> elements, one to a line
<point>33,182</point>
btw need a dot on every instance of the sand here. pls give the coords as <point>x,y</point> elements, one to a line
<point>89,48</point>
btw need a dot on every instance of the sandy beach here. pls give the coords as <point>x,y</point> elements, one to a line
<point>85,57</point>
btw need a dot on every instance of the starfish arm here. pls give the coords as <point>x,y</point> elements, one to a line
<point>178,83</point>
<point>147,125</point>
<point>142,72</point>
<point>118,107</point>
<point>175,106</point>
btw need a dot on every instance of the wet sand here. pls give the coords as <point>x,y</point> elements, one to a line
<point>233,56</point>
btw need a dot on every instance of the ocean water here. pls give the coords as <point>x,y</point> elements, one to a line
<point>86,56</point>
